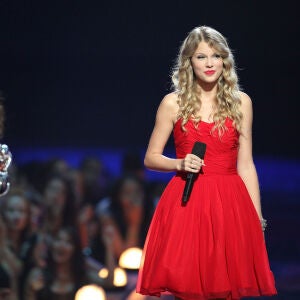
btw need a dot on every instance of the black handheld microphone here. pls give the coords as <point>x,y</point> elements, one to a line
<point>198,150</point>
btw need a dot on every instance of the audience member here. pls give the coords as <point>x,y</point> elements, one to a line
<point>95,179</point>
<point>127,213</point>
<point>66,270</point>
<point>14,236</point>
<point>51,240</point>
<point>132,163</point>
<point>59,205</point>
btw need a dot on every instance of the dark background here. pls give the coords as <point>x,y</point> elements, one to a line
<point>92,73</point>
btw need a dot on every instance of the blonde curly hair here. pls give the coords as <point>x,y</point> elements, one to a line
<point>189,99</point>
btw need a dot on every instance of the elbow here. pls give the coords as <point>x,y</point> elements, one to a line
<point>147,162</point>
<point>244,170</point>
<point>150,161</point>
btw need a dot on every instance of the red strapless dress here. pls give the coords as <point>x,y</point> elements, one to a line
<point>214,246</point>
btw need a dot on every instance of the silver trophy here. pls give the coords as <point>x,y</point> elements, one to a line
<point>5,161</point>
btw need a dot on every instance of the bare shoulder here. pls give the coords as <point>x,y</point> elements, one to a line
<point>168,108</point>
<point>247,112</point>
<point>245,99</point>
<point>170,101</point>
<point>246,104</point>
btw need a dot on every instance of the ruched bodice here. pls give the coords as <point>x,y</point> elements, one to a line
<point>221,151</point>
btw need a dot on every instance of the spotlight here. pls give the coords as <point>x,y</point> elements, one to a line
<point>90,292</point>
<point>120,277</point>
<point>130,259</point>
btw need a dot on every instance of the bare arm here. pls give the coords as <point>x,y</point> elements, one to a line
<point>117,243</point>
<point>154,159</point>
<point>94,266</point>
<point>245,165</point>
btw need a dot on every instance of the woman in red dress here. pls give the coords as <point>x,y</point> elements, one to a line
<point>212,247</point>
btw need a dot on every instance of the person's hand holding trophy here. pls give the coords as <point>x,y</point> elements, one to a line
<point>5,161</point>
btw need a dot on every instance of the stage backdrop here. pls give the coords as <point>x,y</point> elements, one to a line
<point>92,73</point>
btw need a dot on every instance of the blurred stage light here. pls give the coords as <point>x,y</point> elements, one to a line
<point>103,273</point>
<point>130,259</point>
<point>120,276</point>
<point>90,292</point>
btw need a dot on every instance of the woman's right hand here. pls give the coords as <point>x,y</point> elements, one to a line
<point>191,163</point>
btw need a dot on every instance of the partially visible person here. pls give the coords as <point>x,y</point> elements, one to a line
<point>31,176</point>
<point>16,214</point>
<point>66,269</point>
<point>127,212</point>
<point>5,156</point>
<point>57,167</point>
<point>36,210</point>
<point>85,210</point>
<point>60,206</point>
<point>58,210</point>
<point>75,177</point>
<point>132,163</point>
<point>94,179</point>
<point>5,282</point>
<point>15,233</point>
<point>6,285</point>
<point>210,244</point>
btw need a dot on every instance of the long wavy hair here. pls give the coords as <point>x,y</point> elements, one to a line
<point>77,263</point>
<point>19,193</point>
<point>185,83</point>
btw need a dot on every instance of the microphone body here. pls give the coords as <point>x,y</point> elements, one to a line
<point>198,150</point>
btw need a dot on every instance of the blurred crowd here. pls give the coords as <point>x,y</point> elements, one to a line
<point>59,225</point>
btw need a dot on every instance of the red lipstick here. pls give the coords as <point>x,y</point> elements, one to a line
<point>210,72</point>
